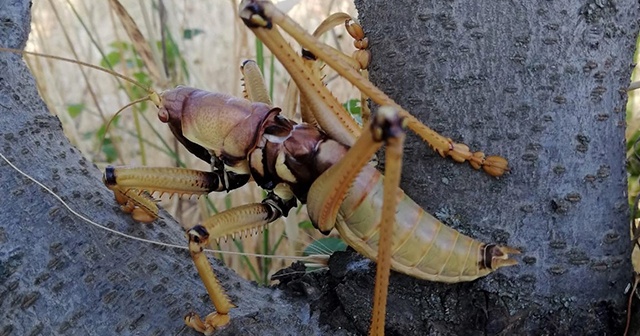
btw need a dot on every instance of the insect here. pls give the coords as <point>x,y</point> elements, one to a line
<point>325,167</point>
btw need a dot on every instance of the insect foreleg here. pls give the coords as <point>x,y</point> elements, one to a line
<point>130,185</point>
<point>360,58</point>
<point>198,241</point>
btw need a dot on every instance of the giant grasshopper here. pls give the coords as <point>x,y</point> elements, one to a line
<point>324,166</point>
<point>297,161</point>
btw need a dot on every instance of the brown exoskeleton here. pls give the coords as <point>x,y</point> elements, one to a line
<point>324,166</point>
<point>321,162</point>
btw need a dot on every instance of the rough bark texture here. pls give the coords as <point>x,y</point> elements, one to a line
<point>60,275</point>
<point>542,84</point>
<point>536,82</point>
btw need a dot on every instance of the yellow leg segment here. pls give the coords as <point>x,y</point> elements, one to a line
<point>198,240</point>
<point>254,87</point>
<point>233,221</point>
<point>393,169</point>
<point>260,17</point>
<point>327,110</point>
<point>358,61</point>
<point>139,204</point>
<point>133,187</point>
<point>328,192</point>
<point>163,179</point>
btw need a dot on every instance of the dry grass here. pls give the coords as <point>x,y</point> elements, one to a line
<point>79,29</point>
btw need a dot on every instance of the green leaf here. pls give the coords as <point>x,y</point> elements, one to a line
<point>109,150</point>
<point>101,131</point>
<point>353,106</point>
<point>306,224</point>
<point>74,110</point>
<point>142,78</point>
<point>227,201</point>
<point>188,34</point>
<point>138,92</point>
<point>173,56</point>
<point>260,55</point>
<point>632,140</point>
<point>325,246</point>
<point>111,59</point>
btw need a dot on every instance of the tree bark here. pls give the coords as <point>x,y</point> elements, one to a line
<point>61,276</point>
<point>542,84</point>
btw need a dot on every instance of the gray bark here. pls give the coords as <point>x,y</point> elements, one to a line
<point>60,275</point>
<point>542,84</point>
<point>536,83</point>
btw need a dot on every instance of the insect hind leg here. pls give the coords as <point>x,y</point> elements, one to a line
<point>328,191</point>
<point>266,14</point>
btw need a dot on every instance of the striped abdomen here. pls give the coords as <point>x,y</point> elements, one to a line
<point>423,247</point>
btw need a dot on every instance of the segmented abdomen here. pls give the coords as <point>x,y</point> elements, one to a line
<point>423,247</point>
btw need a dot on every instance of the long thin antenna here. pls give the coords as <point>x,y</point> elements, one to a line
<point>59,58</point>
<point>153,242</point>
<point>106,128</point>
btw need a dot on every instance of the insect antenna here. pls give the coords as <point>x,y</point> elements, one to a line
<point>106,128</point>
<point>89,65</point>
<point>143,240</point>
<point>152,96</point>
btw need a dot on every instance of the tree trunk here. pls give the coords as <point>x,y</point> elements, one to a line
<point>546,95</point>
<point>61,275</point>
<point>542,84</point>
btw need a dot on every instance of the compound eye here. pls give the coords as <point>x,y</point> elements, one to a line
<point>163,115</point>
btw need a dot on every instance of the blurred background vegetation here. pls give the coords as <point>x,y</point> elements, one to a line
<point>194,43</point>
